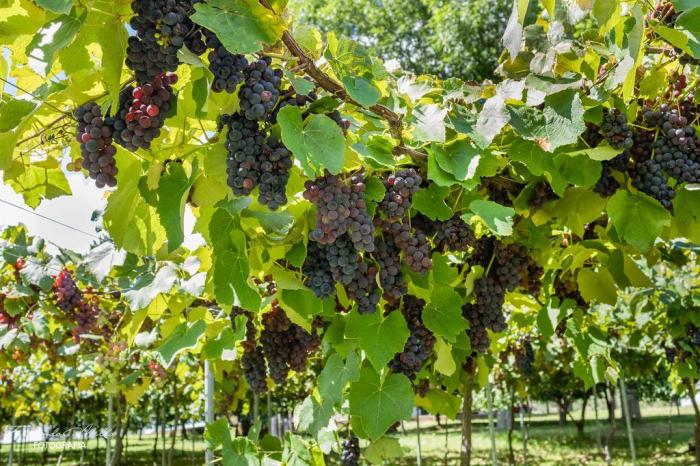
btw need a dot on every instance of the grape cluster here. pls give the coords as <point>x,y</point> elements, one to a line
<point>68,296</point>
<point>141,112</point>
<point>420,343</point>
<point>666,13</point>
<point>542,194</point>
<point>616,130</point>
<point>275,165</point>
<point>261,89</point>
<point>96,145</point>
<point>453,234</point>
<point>227,68</point>
<point>162,28</point>
<point>343,259</point>
<point>157,370</point>
<point>285,344</point>
<point>525,357</point>
<point>317,271</point>
<point>256,160</point>
<point>350,456</point>
<point>508,267</point>
<point>253,359</point>
<point>340,209</point>
<point>400,189</point>
<point>413,243</point>
<point>364,288</point>
<point>566,287</point>
<point>71,301</point>
<point>388,257</point>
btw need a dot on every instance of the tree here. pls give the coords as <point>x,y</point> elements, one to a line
<point>451,38</point>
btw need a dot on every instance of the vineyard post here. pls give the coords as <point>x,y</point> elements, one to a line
<point>628,421</point>
<point>598,434</point>
<point>209,405</point>
<point>492,430</point>
<point>523,432</point>
<point>447,441</point>
<point>418,446</point>
<point>466,446</point>
<point>692,394</point>
<point>108,453</point>
<point>12,445</point>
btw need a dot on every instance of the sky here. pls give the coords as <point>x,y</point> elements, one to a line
<point>74,210</point>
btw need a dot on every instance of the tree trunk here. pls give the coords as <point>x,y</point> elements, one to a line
<point>467,447</point>
<point>163,425</point>
<point>563,408</point>
<point>581,423</point>
<point>692,393</point>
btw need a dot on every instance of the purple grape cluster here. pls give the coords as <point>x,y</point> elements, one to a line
<point>228,68</point>
<point>96,145</point>
<point>261,90</point>
<point>350,456</point>
<point>400,189</point>
<point>388,257</point>
<point>420,343</point>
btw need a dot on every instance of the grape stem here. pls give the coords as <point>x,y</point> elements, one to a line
<point>329,84</point>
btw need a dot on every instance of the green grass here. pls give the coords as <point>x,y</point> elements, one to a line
<point>549,444</point>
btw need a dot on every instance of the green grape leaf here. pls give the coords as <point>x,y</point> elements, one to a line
<point>173,191</point>
<point>599,153</point>
<point>550,315</point>
<point>336,374</point>
<point>689,23</point>
<point>130,221</point>
<point>577,208</point>
<point>148,286</point>
<point>429,124</point>
<point>241,25</point>
<point>442,314</point>
<point>304,302</point>
<point>13,112</point>
<point>56,6</point>
<point>638,218</point>
<point>301,85</point>
<point>296,451</point>
<point>598,286</point>
<point>226,341</point>
<point>440,402</point>
<point>311,416</point>
<point>514,29</point>
<point>378,150</point>
<point>377,402</point>
<point>491,120</point>
<point>497,217</point>
<point>230,274</point>
<point>185,336</point>
<point>317,142</point>
<point>380,338</point>
<point>430,202</point>
<point>383,449</point>
<point>54,36</point>
<point>686,205</point>
<point>363,91</point>
<point>112,38</point>
<point>444,363</point>
<point>37,181</point>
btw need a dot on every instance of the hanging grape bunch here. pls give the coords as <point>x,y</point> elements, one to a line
<point>350,456</point>
<point>453,234</point>
<point>253,359</point>
<point>388,257</point>
<point>507,268</point>
<point>162,28</point>
<point>68,296</point>
<point>340,208</point>
<point>420,343</point>
<point>285,345</point>
<point>260,92</point>
<point>147,110</point>
<point>227,68</point>
<point>96,147</point>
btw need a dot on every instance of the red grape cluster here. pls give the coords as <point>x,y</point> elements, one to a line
<point>147,110</point>
<point>420,342</point>
<point>71,301</point>
<point>565,287</point>
<point>96,147</point>
<point>317,271</point>
<point>157,371</point>
<point>363,288</point>
<point>453,234</point>
<point>286,345</point>
<point>413,243</point>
